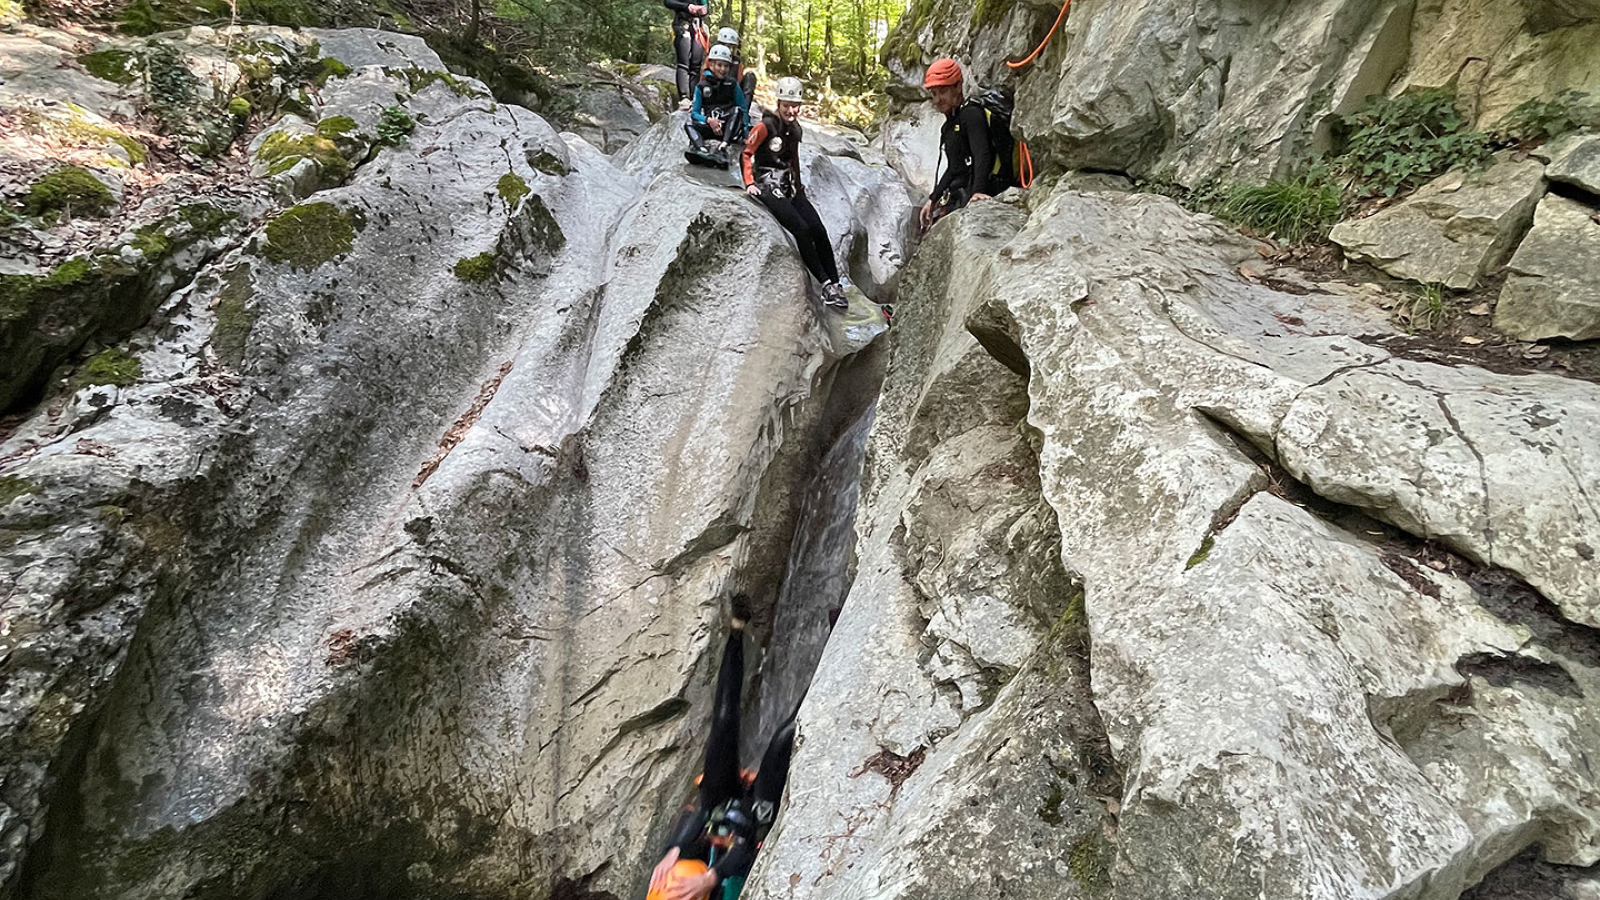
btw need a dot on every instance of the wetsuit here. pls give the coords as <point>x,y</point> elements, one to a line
<point>974,169</point>
<point>723,99</point>
<point>771,161</point>
<point>747,80</point>
<point>728,821</point>
<point>687,43</point>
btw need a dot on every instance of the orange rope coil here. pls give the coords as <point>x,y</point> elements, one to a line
<point>1040,49</point>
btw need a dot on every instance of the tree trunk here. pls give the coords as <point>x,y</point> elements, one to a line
<point>472,22</point>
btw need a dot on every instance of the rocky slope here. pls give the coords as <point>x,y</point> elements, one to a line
<point>392,566</point>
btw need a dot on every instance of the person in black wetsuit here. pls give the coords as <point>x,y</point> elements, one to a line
<point>720,112</point>
<point>771,165</point>
<point>974,173</point>
<point>731,816</point>
<point>729,37</point>
<point>688,41</point>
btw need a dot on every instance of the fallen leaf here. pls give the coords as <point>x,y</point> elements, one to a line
<point>1249,273</point>
<point>1471,341</point>
<point>1482,309</point>
<point>1435,564</point>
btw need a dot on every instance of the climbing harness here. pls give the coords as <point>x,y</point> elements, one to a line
<point>1040,49</point>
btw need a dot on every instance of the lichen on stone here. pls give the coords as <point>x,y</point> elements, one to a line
<point>282,152</point>
<point>512,188</point>
<point>308,235</point>
<point>235,318</point>
<point>113,366</point>
<point>476,269</point>
<point>1089,861</point>
<point>70,190</point>
<point>14,486</point>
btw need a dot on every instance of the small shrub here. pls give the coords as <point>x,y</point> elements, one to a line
<point>1424,310</point>
<point>1536,121</point>
<point>1292,211</point>
<point>171,90</point>
<point>68,190</point>
<point>476,269</point>
<point>1396,144</point>
<point>394,126</point>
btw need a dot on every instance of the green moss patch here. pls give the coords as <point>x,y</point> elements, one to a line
<point>335,127</point>
<point>1089,861</point>
<point>548,163</point>
<point>81,129</point>
<point>308,235</point>
<point>326,68</point>
<point>282,152</point>
<point>12,487</point>
<point>476,269</point>
<point>419,80</point>
<point>118,367</point>
<point>1200,553</point>
<point>69,190</point>
<point>114,65</point>
<point>235,318</point>
<point>512,188</point>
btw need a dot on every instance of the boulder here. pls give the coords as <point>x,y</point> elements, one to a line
<point>910,142</point>
<point>1575,160</point>
<point>1544,15</point>
<point>1554,286</point>
<point>607,116</point>
<point>1454,230</point>
<point>400,549</point>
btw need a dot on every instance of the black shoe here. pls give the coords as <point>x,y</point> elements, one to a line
<point>739,609</point>
<point>833,295</point>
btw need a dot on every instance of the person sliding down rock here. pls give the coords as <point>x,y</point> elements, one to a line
<point>725,825</point>
<point>979,149</point>
<point>720,114</point>
<point>729,37</point>
<point>771,162</point>
<point>688,42</point>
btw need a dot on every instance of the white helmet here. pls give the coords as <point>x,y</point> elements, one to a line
<point>789,90</point>
<point>721,52</point>
<point>729,36</point>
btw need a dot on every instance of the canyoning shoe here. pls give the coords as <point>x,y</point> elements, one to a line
<point>833,295</point>
<point>887,310</point>
<point>739,610</point>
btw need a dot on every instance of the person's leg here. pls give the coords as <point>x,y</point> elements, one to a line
<point>817,233</point>
<point>720,778</point>
<point>683,47</point>
<point>774,771</point>
<point>783,209</point>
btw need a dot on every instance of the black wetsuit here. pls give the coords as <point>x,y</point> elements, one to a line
<point>726,813</point>
<point>771,161</point>
<point>974,169</point>
<point>686,45</point>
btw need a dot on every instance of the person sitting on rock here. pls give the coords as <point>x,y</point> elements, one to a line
<point>720,111</point>
<point>733,811</point>
<point>771,164</point>
<point>729,37</point>
<point>976,171</point>
<point>688,42</point>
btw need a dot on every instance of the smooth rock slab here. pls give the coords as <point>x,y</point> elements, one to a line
<point>1554,286</point>
<point>1576,161</point>
<point>1453,231</point>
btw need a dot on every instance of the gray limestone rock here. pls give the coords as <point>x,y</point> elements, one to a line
<point>1554,286</point>
<point>1454,230</point>
<point>1575,160</point>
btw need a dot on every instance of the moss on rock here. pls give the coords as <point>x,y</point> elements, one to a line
<point>235,318</point>
<point>548,163</point>
<point>476,269</point>
<point>282,152</point>
<point>335,127</point>
<point>68,189</point>
<point>420,79</point>
<point>113,366</point>
<point>308,235</point>
<point>13,486</point>
<point>111,65</point>
<point>512,188</point>
<point>1089,861</point>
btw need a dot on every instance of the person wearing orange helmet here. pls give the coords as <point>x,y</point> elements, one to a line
<point>976,172</point>
<point>734,810</point>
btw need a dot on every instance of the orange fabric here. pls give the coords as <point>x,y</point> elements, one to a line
<point>1040,49</point>
<point>1025,167</point>
<point>943,71</point>
<point>747,157</point>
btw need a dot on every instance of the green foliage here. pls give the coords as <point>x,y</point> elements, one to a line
<point>282,151</point>
<point>14,486</point>
<point>10,12</point>
<point>512,188</point>
<point>1200,554</point>
<point>1292,211</point>
<point>239,108</point>
<point>68,190</point>
<point>476,269</point>
<point>171,90</point>
<point>1425,310</point>
<point>308,235</point>
<point>335,127</point>
<point>323,69</point>
<point>117,367</point>
<point>1536,120</point>
<point>1399,143</point>
<point>119,66</point>
<point>394,126</point>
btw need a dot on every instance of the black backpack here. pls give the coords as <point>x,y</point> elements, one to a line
<point>997,105</point>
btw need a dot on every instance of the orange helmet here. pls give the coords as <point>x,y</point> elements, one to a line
<point>681,870</point>
<point>943,71</point>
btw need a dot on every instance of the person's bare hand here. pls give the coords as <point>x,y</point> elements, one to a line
<point>658,877</point>
<point>693,888</point>
<point>925,215</point>
<point>979,196</point>
<point>752,190</point>
<point>715,123</point>
<point>697,9</point>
